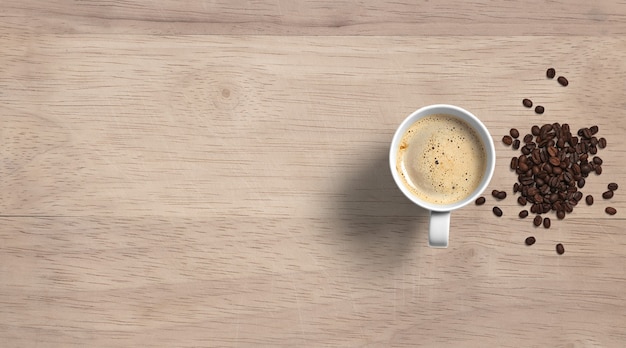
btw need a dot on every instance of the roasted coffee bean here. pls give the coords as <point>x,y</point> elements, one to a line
<point>535,130</point>
<point>586,133</point>
<point>514,163</point>
<point>597,160</point>
<point>567,177</point>
<point>602,143</point>
<point>507,140</point>
<point>539,109</point>
<point>497,211</point>
<point>593,150</point>
<point>578,196</point>
<point>514,133</point>
<point>581,183</point>
<point>594,130</point>
<point>527,103</point>
<point>598,169</point>
<point>521,200</point>
<point>530,241</point>
<point>523,167</point>
<point>563,81</point>
<point>560,214</point>
<point>546,222</point>
<point>494,193</point>
<point>501,195</point>
<point>552,151</point>
<point>515,187</point>
<point>550,73</point>
<point>589,199</point>
<point>557,170</point>
<point>610,210</point>
<point>537,221</point>
<point>516,144</point>
<point>560,249</point>
<point>480,200</point>
<point>545,128</point>
<point>612,186</point>
<point>608,194</point>
<point>585,169</point>
<point>528,138</point>
<point>555,161</point>
<point>523,214</point>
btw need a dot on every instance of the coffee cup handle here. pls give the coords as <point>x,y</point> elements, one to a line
<point>439,229</point>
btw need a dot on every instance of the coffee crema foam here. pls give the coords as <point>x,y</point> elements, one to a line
<point>441,159</point>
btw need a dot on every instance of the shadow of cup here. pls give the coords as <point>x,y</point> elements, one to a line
<point>379,222</point>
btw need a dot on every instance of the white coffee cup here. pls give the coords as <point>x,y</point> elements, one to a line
<point>439,229</point>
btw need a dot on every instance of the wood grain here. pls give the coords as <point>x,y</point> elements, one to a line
<point>234,189</point>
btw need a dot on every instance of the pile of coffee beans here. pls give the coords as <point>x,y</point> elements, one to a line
<point>552,168</point>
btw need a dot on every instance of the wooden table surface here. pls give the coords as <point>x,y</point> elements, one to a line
<point>215,174</point>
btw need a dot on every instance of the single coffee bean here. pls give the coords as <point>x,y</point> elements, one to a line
<point>597,160</point>
<point>560,249</point>
<point>608,194</point>
<point>497,211</point>
<point>602,143</point>
<point>535,130</point>
<point>552,151</point>
<point>594,129</point>
<point>560,214</point>
<point>594,140</point>
<point>539,109</point>
<point>514,133</point>
<point>507,140</point>
<point>550,73</point>
<point>612,186</point>
<point>589,199</point>
<point>494,193</point>
<point>598,169</point>
<point>527,103</point>
<point>563,81</point>
<point>514,163</point>
<point>610,210</point>
<point>516,144</point>
<point>530,241</point>
<point>516,187</point>
<point>480,200</point>
<point>528,138</point>
<point>578,196</point>
<point>523,214</point>
<point>537,221</point>
<point>501,195</point>
<point>581,183</point>
<point>523,167</point>
<point>586,133</point>
<point>522,200</point>
<point>555,161</point>
<point>546,222</point>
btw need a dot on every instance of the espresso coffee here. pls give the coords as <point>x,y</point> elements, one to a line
<point>441,159</point>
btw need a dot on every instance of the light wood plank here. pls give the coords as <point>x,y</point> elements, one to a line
<point>344,17</point>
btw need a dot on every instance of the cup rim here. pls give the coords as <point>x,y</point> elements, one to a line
<point>475,123</point>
